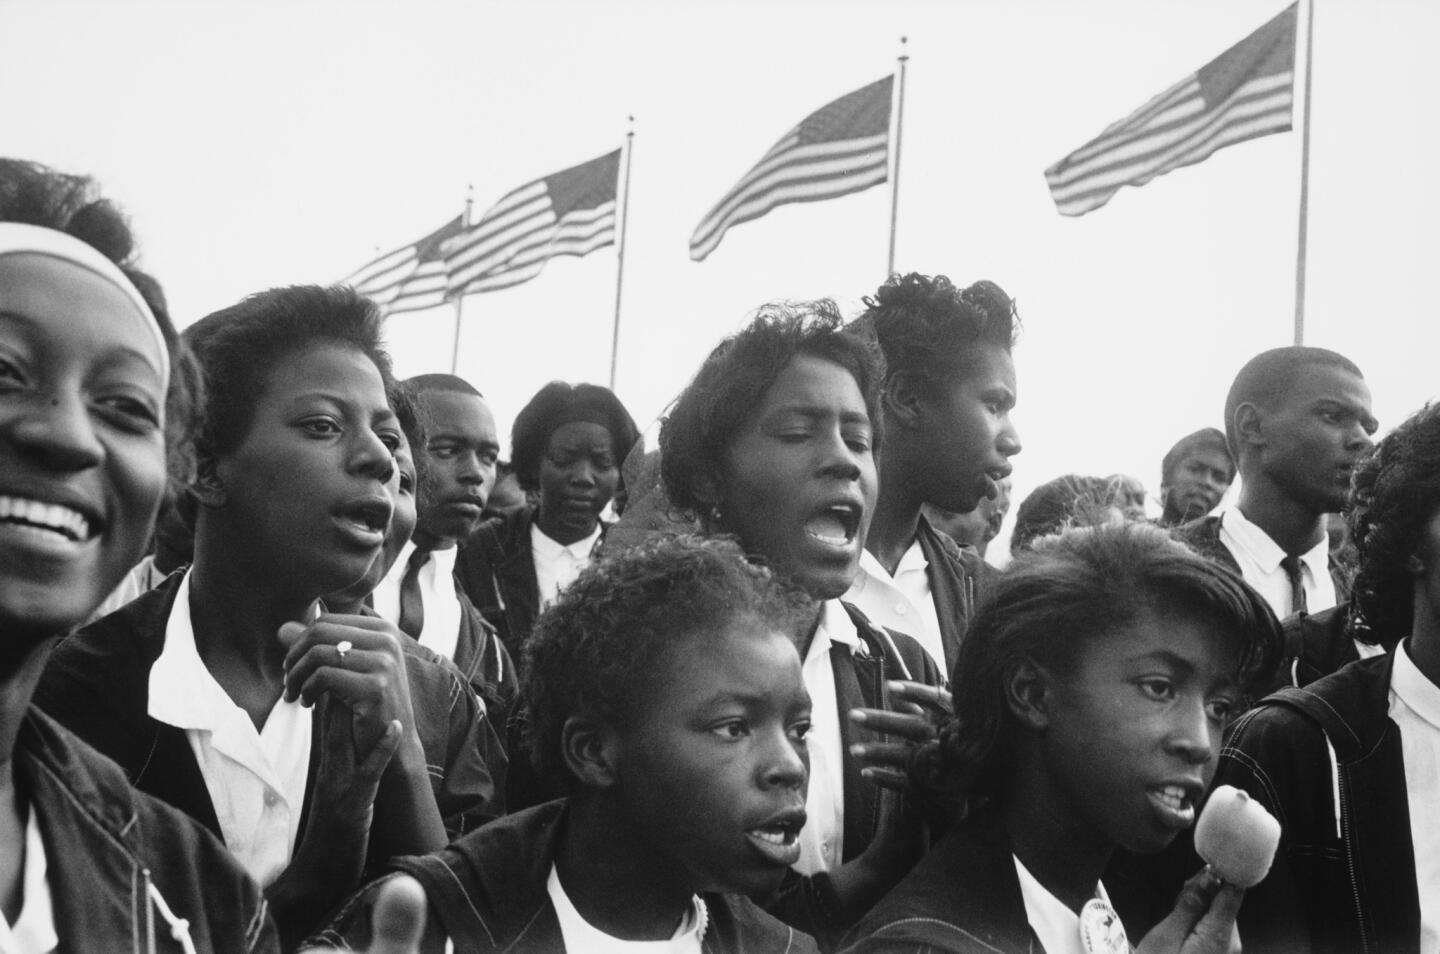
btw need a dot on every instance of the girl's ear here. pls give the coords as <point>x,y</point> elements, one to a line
<point>902,399</point>
<point>590,750</point>
<point>1030,694</point>
<point>207,488</point>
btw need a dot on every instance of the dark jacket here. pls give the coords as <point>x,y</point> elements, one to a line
<point>97,684</point>
<point>116,856</point>
<point>810,903</point>
<point>484,661</point>
<point>1203,536</point>
<point>488,892</point>
<point>955,577</point>
<point>964,896</point>
<point>1344,877</point>
<point>496,569</point>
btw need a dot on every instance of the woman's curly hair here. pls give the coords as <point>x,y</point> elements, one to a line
<point>927,326</point>
<point>1070,589</point>
<point>597,649</point>
<point>1394,493</point>
<point>704,421</point>
<point>34,194</point>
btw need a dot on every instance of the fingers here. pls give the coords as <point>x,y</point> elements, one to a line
<point>1216,929</point>
<point>892,779</point>
<point>398,921</point>
<point>932,699</point>
<point>375,634</point>
<point>1180,929</point>
<point>373,765</point>
<point>916,728</point>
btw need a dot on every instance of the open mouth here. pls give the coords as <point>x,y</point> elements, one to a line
<point>778,841</point>
<point>57,519</point>
<point>368,517</point>
<point>1175,803</point>
<point>836,525</point>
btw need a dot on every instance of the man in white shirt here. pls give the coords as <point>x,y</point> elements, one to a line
<point>456,466</point>
<point>1297,421</point>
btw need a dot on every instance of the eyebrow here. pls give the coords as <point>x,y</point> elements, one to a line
<point>1171,659</point>
<point>36,325</point>
<point>819,412</point>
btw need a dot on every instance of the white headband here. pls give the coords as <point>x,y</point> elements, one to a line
<point>17,237</point>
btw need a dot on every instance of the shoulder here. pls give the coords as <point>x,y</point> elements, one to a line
<point>738,924</point>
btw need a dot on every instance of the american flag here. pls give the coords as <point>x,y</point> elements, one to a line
<point>1247,91</point>
<point>409,278</point>
<point>842,147</point>
<point>571,212</point>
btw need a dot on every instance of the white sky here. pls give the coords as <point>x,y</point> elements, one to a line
<point>266,143</point>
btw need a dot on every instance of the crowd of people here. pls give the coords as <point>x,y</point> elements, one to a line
<point>292,660</point>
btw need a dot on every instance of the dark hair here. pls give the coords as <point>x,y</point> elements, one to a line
<point>33,194</point>
<point>1206,437</point>
<point>449,383</point>
<point>554,405</point>
<point>734,380</point>
<point>239,345</point>
<point>596,648</point>
<point>928,327</point>
<point>1071,500</point>
<point>407,414</point>
<point>1068,590</point>
<point>1267,377</point>
<point>1394,493</point>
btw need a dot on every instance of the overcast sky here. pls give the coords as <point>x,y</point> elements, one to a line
<point>266,143</point>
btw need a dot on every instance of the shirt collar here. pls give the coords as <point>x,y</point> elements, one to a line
<point>548,548</point>
<point>182,690</point>
<point>1416,691</point>
<point>1256,543</point>
<point>836,626</point>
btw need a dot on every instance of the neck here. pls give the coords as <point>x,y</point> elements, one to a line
<point>1294,527</point>
<point>600,849</point>
<point>563,535</point>
<point>897,514</point>
<point>428,541</point>
<point>16,687</point>
<point>1424,644</point>
<point>237,607</point>
<point>1062,852</point>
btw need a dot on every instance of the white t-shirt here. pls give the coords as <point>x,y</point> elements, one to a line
<point>1415,709</point>
<point>34,930</point>
<point>901,602</point>
<point>256,780</point>
<point>558,564</point>
<point>581,937</point>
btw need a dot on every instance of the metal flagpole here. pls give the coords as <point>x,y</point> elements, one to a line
<point>1309,8</point>
<point>620,253</point>
<point>460,299</point>
<point>895,182</point>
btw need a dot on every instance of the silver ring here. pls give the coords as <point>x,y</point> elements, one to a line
<point>343,647</point>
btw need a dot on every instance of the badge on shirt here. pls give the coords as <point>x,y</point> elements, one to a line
<point>1100,929</point>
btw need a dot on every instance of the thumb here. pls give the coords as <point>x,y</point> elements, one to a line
<point>398,921</point>
<point>1172,933</point>
<point>290,632</point>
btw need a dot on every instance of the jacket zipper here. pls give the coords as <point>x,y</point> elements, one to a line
<point>1348,845</point>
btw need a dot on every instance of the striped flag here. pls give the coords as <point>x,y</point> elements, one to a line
<point>1245,92</point>
<point>409,278</point>
<point>842,147</point>
<point>568,213</point>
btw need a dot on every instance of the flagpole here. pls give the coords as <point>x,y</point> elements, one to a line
<point>620,253</point>
<point>895,182</point>
<point>460,298</point>
<point>1309,7</point>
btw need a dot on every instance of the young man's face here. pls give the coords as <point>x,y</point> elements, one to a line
<point>1314,438</point>
<point>969,435</point>
<point>307,489</point>
<point>1199,480</point>
<point>1135,728</point>
<point>457,466</point>
<point>712,767</point>
<point>799,478</point>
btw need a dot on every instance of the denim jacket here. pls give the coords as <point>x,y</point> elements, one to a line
<point>127,872</point>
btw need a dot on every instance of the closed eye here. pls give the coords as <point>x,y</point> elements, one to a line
<point>1161,690</point>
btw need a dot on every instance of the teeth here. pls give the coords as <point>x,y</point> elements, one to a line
<point>63,520</point>
<point>1172,795</point>
<point>774,836</point>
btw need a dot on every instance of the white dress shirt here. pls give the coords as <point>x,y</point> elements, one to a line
<point>1057,927</point>
<point>1415,708</point>
<point>440,632</point>
<point>256,780</point>
<point>34,930</point>
<point>558,564</point>
<point>901,602</point>
<point>1259,558</point>
<point>822,838</point>
<point>580,935</point>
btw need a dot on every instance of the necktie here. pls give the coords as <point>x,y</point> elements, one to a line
<point>1291,566</point>
<point>412,606</point>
